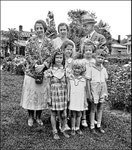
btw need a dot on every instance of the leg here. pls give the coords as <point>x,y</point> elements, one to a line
<point>31,117</point>
<point>66,123</point>
<point>63,115</point>
<point>53,124</point>
<point>92,116</point>
<point>38,116</point>
<point>73,121</point>
<point>84,122</point>
<point>99,116</point>
<point>78,120</point>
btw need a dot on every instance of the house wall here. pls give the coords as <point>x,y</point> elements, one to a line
<point>117,51</point>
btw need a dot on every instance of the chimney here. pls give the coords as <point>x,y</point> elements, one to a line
<point>20,28</point>
<point>31,30</point>
<point>119,39</point>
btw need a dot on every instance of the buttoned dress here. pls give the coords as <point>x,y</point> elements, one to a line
<point>34,96</point>
<point>77,94</point>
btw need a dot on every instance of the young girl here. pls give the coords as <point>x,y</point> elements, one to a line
<point>58,92</point>
<point>77,95</point>
<point>87,50</point>
<point>67,48</point>
<point>98,76</point>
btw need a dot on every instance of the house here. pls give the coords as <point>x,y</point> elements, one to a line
<point>117,48</point>
<point>20,44</point>
<point>4,43</point>
<point>128,44</point>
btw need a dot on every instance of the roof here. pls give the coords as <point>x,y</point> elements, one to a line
<point>26,34</point>
<point>129,43</point>
<point>118,46</point>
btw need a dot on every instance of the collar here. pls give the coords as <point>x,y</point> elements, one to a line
<point>91,34</point>
<point>56,68</point>
<point>98,68</point>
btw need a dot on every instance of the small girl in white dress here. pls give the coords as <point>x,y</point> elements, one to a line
<point>77,95</point>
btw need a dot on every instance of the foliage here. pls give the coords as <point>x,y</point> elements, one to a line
<point>51,29</point>
<point>13,35</point>
<point>76,31</point>
<point>119,60</point>
<point>103,28</point>
<point>15,65</point>
<point>119,86</point>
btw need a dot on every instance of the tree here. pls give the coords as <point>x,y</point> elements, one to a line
<point>76,31</point>
<point>51,30</point>
<point>13,35</point>
<point>103,28</point>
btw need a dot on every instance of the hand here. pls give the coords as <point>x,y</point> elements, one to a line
<point>90,98</point>
<point>49,104</point>
<point>39,68</point>
<point>96,43</point>
<point>106,98</point>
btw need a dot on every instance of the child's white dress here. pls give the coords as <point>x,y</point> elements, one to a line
<point>77,94</point>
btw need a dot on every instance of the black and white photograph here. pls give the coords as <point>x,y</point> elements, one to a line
<point>65,75</point>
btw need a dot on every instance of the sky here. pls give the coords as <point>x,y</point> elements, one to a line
<point>116,13</point>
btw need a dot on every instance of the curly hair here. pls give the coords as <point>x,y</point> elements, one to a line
<point>88,43</point>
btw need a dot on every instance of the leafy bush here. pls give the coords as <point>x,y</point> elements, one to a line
<point>16,65</point>
<point>119,87</point>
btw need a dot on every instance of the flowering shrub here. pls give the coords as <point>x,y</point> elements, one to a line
<point>119,87</point>
<point>16,65</point>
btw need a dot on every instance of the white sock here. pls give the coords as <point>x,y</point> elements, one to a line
<point>98,125</point>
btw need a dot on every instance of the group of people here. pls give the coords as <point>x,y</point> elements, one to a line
<point>70,80</point>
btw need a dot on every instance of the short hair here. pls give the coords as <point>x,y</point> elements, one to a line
<point>65,44</point>
<point>63,24</point>
<point>58,51</point>
<point>43,24</point>
<point>100,52</point>
<point>88,43</point>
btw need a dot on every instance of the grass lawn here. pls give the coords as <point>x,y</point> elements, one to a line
<point>17,135</point>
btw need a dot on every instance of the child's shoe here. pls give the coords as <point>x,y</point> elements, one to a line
<point>100,130</point>
<point>84,123</point>
<point>56,136</point>
<point>65,134</point>
<point>79,132</point>
<point>30,122</point>
<point>67,127</point>
<point>93,131</point>
<point>73,132</point>
<point>95,122</point>
<point>39,121</point>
